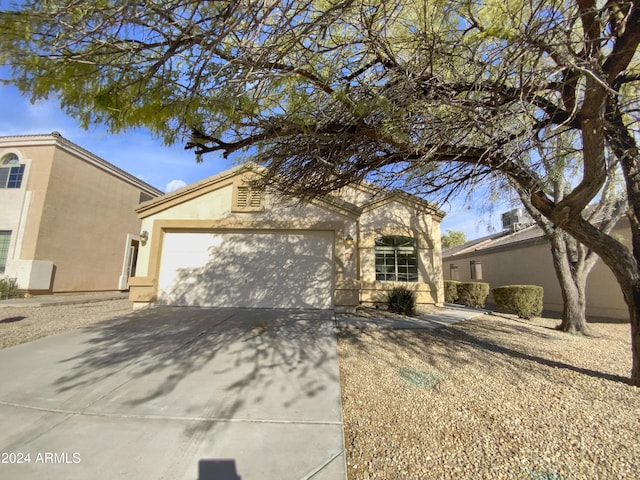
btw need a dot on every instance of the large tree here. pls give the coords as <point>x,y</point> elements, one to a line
<point>572,260</point>
<point>328,92</point>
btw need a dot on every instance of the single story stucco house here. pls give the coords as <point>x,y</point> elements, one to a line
<point>219,242</point>
<point>522,255</point>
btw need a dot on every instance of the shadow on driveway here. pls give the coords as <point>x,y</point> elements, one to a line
<point>181,386</point>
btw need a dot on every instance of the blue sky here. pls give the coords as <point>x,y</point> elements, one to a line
<point>136,151</point>
<point>170,167</point>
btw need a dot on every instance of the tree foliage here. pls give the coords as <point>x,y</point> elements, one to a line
<point>453,238</point>
<point>423,94</point>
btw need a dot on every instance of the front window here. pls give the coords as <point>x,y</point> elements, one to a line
<point>11,171</point>
<point>396,259</point>
<point>5,238</point>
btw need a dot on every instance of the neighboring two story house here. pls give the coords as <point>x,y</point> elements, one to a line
<point>67,217</point>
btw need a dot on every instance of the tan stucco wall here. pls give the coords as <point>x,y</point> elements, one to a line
<point>73,218</point>
<point>211,210</point>
<point>87,216</point>
<point>207,206</point>
<point>533,265</point>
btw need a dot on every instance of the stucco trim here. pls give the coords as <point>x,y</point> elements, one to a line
<point>191,191</point>
<point>240,175</point>
<point>414,202</point>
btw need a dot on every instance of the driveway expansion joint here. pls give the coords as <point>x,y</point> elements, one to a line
<point>169,417</point>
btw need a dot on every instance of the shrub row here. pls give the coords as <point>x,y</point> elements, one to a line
<point>523,300</point>
<point>472,294</point>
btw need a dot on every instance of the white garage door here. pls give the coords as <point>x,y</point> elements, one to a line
<point>247,269</point>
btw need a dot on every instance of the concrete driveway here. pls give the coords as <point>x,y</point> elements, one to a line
<point>176,393</point>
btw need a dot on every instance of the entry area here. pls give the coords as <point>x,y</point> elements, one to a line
<point>248,269</point>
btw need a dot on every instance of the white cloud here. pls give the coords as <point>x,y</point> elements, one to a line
<point>174,185</point>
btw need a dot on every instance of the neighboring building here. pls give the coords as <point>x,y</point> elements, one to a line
<point>218,242</point>
<point>67,217</point>
<point>521,254</point>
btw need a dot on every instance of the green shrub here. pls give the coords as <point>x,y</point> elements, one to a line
<point>451,291</point>
<point>8,288</point>
<point>473,294</point>
<point>401,300</point>
<point>524,300</point>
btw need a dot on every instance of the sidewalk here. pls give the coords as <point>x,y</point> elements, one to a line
<point>64,299</point>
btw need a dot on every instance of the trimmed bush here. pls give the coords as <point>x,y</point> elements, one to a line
<point>523,300</point>
<point>473,294</point>
<point>451,291</point>
<point>402,300</point>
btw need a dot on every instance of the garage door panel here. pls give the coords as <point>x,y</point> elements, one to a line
<point>247,269</point>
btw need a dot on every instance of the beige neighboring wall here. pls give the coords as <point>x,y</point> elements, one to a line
<point>87,214</point>
<point>78,216</point>
<point>531,263</point>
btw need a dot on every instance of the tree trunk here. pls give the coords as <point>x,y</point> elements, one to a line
<point>572,266</point>
<point>634,315</point>
<point>625,267</point>
<point>572,286</point>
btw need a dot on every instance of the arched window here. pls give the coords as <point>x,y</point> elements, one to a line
<point>11,171</point>
<point>396,259</point>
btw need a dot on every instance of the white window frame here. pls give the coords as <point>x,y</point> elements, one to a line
<point>10,166</point>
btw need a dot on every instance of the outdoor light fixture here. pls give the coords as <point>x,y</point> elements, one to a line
<point>348,241</point>
<point>144,236</point>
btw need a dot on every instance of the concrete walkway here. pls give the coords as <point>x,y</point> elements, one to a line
<point>177,393</point>
<point>370,318</point>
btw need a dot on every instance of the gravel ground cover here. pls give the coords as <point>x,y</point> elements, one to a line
<point>24,324</point>
<point>493,398</point>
